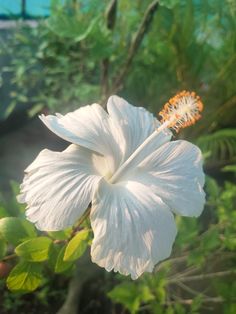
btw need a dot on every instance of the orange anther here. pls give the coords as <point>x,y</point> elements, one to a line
<point>182,110</point>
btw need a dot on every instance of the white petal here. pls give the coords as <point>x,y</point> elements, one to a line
<point>174,173</point>
<point>115,136</point>
<point>133,229</point>
<point>90,127</point>
<point>135,124</point>
<point>58,187</point>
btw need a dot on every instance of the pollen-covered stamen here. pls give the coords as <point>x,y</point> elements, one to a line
<point>182,110</point>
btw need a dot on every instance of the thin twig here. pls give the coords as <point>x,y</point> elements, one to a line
<point>190,290</point>
<point>110,20</point>
<point>178,259</point>
<point>84,217</point>
<point>8,257</point>
<point>184,273</point>
<point>111,14</point>
<point>186,302</point>
<point>202,276</point>
<point>135,44</point>
<point>190,301</point>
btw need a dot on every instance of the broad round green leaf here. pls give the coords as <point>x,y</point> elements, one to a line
<point>34,250</point>
<point>16,230</point>
<point>25,277</point>
<point>53,255</point>
<point>77,246</point>
<point>61,265</point>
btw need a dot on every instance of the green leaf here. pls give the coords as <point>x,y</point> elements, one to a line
<point>25,277</point>
<point>131,296</point>
<point>212,188</point>
<point>229,168</point>
<point>87,31</point>
<point>10,108</point>
<point>127,294</point>
<point>53,255</point>
<point>146,293</point>
<point>77,246</point>
<point>16,230</point>
<point>196,304</point>
<point>179,309</point>
<point>60,235</point>
<point>3,248</point>
<point>15,187</point>
<point>157,308</point>
<point>170,4</point>
<point>35,110</point>
<point>221,144</point>
<point>61,265</point>
<point>34,250</point>
<point>160,290</point>
<point>229,240</point>
<point>3,212</point>
<point>189,231</point>
<point>196,257</point>
<point>211,240</point>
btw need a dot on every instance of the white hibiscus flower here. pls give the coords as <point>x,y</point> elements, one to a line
<point>124,164</point>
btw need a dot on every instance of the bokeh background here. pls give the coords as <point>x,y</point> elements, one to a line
<point>56,56</point>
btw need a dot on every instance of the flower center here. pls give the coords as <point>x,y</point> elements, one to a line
<point>126,164</point>
<point>101,165</point>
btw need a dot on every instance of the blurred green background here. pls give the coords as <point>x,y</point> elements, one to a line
<point>58,56</point>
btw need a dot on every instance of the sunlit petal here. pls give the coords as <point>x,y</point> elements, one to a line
<point>135,124</point>
<point>90,127</point>
<point>133,228</point>
<point>58,187</point>
<point>174,173</point>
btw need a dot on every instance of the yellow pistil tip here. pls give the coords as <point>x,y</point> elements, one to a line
<point>182,110</point>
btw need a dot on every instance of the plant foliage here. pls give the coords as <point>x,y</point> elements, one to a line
<point>145,51</point>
